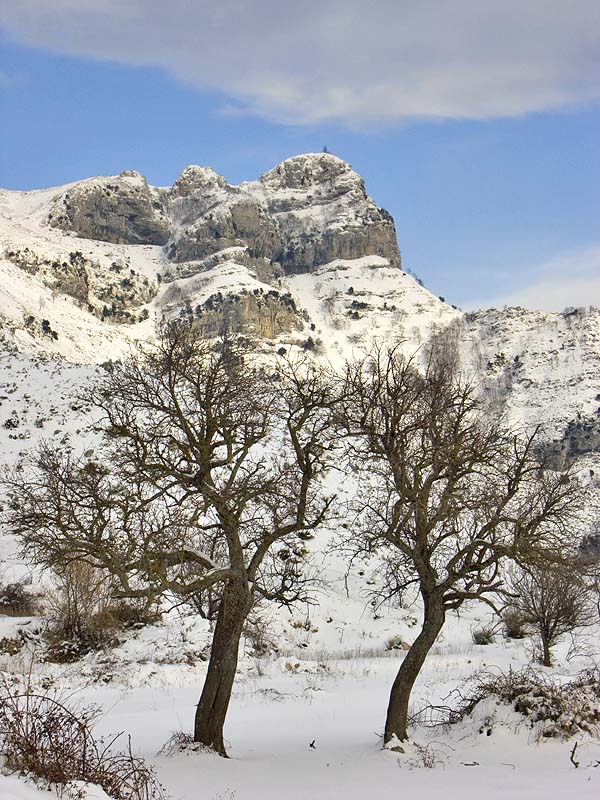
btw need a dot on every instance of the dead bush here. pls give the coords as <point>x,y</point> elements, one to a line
<point>556,710</point>
<point>43,736</point>
<point>83,614</point>
<point>484,635</point>
<point>80,594</point>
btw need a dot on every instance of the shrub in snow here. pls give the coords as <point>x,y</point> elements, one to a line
<point>11,645</point>
<point>83,614</point>
<point>484,635</point>
<point>43,736</point>
<point>514,625</point>
<point>396,643</point>
<point>556,710</point>
<point>258,634</point>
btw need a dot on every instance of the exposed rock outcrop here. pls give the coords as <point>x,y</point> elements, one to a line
<point>122,210</point>
<point>306,212</point>
<point>112,294</point>
<point>324,213</point>
<point>243,222</point>
<point>266,315</point>
<point>305,251</point>
<point>581,437</point>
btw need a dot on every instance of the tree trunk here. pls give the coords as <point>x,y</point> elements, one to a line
<point>216,692</point>
<point>546,654</point>
<point>397,713</point>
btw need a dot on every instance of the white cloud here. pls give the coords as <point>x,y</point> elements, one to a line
<point>570,279</point>
<point>349,61</point>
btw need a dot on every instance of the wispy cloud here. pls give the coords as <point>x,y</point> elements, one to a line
<point>342,60</point>
<point>570,279</point>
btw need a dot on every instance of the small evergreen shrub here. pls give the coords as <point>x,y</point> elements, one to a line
<point>514,625</point>
<point>16,600</point>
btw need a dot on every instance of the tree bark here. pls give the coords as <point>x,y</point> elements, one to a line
<point>397,713</point>
<point>216,692</point>
<point>546,654</point>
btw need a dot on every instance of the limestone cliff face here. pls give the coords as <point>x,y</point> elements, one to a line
<point>580,438</point>
<point>121,210</point>
<point>306,212</point>
<point>243,222</point>
<point>257,314</point>
<point>324,213</point>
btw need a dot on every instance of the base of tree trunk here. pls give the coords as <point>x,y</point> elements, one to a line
<point>222,666</point>
<point>397,714</point>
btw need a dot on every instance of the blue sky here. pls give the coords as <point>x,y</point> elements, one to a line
<point>490,167</point>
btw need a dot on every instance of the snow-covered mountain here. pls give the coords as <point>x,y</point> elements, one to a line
<point>300,257</point>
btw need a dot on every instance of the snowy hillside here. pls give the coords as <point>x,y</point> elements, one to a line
<point>301,257</point>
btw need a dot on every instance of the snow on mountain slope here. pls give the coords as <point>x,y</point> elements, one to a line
<point>305,256</point>
<point>67,281</point>
<point>39,402</point>
<point>541,368</point>
<point>354,303</point>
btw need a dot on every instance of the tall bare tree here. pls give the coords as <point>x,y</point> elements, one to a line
<point>446,495</point>
<point>209,464</point>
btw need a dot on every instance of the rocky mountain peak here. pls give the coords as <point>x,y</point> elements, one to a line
<point>305,212</point>
<point>121,209</point>
<point>312,171</point>
<point>135,175</point>
<point>195,179</point>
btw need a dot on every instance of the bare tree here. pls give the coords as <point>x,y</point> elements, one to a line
<point>552,601</point>
<point>445,496</point>
<point>209,464</point>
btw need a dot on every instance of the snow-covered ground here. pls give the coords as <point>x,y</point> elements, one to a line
<point>334,696</point>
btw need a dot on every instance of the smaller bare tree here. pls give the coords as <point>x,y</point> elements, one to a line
<point>551,601</point>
